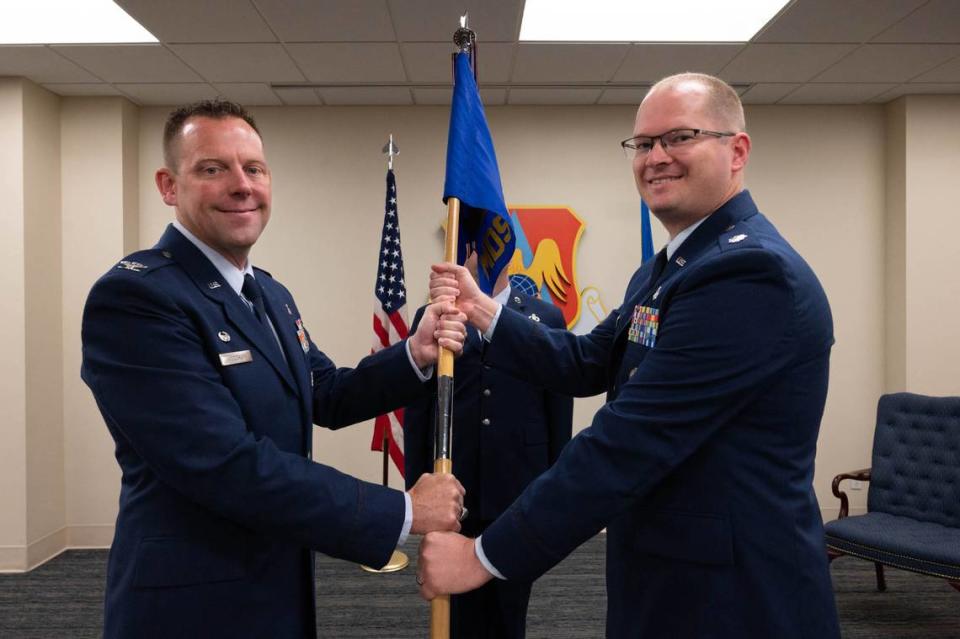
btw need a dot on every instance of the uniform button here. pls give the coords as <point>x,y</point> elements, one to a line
<point>486,367</point>
<point>167,254</point>
<point>632,371</point>
<point>486,421</point>
<point>486,392</point>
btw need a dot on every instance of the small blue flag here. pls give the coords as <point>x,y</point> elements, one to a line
<point>473,177</point>
<point>646,237</point>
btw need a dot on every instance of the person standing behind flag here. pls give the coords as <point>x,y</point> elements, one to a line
<point>506,433</point>
<point>209,385</point>
<point>700,464</point>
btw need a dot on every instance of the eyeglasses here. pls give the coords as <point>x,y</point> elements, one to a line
<point>640,145</point>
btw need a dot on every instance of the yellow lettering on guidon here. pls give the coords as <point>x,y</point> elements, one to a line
<point>495,240</point>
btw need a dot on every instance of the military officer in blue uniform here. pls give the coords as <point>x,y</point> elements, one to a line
<point>209,383</point>
<point>700,464</point>
<point>506,432</point>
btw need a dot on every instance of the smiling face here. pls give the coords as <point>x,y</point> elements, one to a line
<point>220,187</point>
<point>684,185</point>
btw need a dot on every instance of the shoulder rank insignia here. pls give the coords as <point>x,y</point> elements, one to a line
<point>131,266</point>
<point>534,317</point>
<point>737,238</point>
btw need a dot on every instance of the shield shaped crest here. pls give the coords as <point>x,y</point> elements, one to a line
<point>546,255</point>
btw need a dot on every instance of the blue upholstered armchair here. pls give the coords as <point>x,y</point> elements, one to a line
<point>913,505</point>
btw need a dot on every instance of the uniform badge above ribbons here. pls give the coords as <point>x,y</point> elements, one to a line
<point>644,325</point>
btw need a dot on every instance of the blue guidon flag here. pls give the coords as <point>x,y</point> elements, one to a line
<point>473,177</point>
<point>646,236</point>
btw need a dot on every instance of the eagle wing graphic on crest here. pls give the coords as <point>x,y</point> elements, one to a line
<point>546,268</point>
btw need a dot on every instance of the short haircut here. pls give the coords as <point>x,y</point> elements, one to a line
<point>216,109</point>
<point>722,100</point>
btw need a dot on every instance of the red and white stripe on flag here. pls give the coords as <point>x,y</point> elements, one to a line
<point>390,316</point>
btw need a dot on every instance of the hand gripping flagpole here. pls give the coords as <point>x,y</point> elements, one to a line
<point>465,39</point>
<point>398,560</point>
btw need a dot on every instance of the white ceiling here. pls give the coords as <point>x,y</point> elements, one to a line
<point>342,52</point>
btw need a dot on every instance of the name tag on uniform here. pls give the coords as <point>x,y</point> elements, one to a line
<point>236,357</point>
<point>644,325</point>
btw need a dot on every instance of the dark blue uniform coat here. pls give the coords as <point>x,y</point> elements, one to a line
<point>219,503</point>
<point>506,432</point>
<point>524,432</point>
<point>701,462</point>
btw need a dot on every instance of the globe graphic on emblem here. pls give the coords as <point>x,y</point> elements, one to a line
<point>524,284</point>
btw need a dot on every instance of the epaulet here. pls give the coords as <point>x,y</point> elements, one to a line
<point>263,270</point>
<point>145,261</point>
<point>736,238</point>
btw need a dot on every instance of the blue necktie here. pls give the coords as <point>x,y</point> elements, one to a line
<point>252,291</point>
<point>658,266</point>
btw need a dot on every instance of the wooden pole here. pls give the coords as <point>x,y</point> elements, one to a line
<point>443,437</point>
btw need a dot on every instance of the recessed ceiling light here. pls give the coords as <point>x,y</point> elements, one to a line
<point>67,22</point>
<point>646,20</point>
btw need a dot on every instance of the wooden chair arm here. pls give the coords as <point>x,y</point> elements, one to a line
<point>859,475</point>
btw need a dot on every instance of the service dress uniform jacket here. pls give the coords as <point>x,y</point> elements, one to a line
<point>700,464</point>
<point>506,432</point>
<point>220,505</point>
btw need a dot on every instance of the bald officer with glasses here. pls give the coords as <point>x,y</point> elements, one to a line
<point>700,464</point>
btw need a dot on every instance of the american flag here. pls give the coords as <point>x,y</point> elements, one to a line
<point>390,315</point>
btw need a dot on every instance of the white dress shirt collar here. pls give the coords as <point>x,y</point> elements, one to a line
<point>503,296</point>
<point>679,238</point>
<point>231,274</point>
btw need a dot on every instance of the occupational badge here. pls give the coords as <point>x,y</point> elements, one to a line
<point>644,325</point>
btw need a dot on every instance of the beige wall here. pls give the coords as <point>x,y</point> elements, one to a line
<point>43,310</point>
<point>895,244</point>
<point>13,410</point>
<point>849,186</point>
<point>932,255</point>
<point>32,499</point>
<point>100,138</point>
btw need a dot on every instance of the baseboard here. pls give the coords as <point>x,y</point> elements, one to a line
<point>13,558</point>
<point>90,536</point>
<point>46,548</point>
<point>37,553</point>
<point>26,558</point>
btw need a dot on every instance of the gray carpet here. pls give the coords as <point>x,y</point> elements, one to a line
<point>63,599</point>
